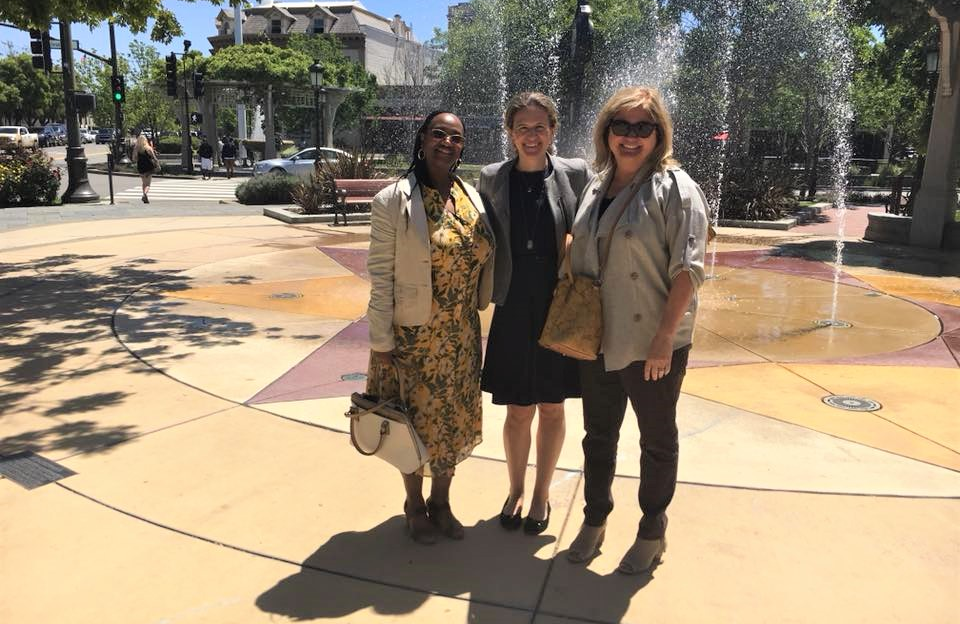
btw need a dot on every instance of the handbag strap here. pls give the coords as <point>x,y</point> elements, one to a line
<point>605,253</point>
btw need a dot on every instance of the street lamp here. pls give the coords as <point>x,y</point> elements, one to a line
<point>933,59</point>
<point>316,79</point>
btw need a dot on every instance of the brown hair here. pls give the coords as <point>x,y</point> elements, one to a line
<point>530,98</point>
<point>627,98</point>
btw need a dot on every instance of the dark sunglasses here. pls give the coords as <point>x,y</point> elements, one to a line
<point>440,135</point>
<point>641,129</point>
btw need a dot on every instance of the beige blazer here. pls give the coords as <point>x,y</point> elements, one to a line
<point>398,263</point>
<point>663,231</point>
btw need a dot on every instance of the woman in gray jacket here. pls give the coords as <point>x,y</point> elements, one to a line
<point>532,200</point>
<point>654,218</point>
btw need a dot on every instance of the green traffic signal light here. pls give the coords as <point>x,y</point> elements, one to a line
<point>118,96</point>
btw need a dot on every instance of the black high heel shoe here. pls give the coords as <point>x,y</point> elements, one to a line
<point>510,523</point>
<point>536,527</point>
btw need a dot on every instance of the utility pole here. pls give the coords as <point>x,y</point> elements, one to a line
<point>119,153</point>
<point>186,146</point>
<point>241,108</point>
<point>78,185</point>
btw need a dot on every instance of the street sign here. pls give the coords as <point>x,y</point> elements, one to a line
<point>55,44</point>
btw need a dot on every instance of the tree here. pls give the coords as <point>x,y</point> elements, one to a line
<point>147,105</point>
<point>133,15</point>
<point>26,95</point>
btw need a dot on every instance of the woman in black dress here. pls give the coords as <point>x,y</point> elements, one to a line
<point>532,201</point>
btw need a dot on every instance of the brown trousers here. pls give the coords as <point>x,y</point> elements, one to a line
<point>605,397</point>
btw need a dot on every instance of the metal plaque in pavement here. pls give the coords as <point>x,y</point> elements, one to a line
<point>31,470</point>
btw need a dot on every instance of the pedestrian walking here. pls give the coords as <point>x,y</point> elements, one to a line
<point>147,164</point>
<point>229,155</point>
<point>205,152</point>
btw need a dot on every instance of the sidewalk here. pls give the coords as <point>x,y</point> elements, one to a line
<point>193,370</point>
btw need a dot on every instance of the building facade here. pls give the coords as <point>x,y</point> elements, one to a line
<point>385,47</point>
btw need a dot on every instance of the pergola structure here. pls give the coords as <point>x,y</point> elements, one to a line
<point>217,93</point>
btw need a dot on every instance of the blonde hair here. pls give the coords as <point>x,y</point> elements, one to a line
<point>142,145</point>
<point>628,98</point>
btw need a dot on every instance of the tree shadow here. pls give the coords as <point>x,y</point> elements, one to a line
<point>902,259</point>
<point>383,570</point>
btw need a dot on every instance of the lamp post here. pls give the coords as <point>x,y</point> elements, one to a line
<point>316,79</point>
<point>932,66</point>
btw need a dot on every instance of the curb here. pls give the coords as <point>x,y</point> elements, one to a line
<point>289,216</point>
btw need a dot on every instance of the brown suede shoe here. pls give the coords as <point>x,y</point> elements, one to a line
<point>642,556</point>
<point>587,544</point>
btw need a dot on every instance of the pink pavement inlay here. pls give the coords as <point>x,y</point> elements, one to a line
<point>352,259</point>
<point>319,375</point>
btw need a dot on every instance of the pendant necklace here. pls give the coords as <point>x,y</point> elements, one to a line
<point>537,210</point>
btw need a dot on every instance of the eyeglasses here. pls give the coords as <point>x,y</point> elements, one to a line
<point>440,135</point>
<point>623,128</point>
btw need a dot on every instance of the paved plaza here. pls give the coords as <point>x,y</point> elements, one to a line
<point>193,369</point>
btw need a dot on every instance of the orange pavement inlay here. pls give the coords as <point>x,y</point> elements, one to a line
<point>794,394</point>
<point>343,297</point>
<point>936,289</point>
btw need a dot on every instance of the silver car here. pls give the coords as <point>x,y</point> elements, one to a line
<point>301,163</point>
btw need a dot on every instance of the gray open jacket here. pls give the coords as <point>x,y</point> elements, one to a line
<point>563,187</point>
<point>663,231</point>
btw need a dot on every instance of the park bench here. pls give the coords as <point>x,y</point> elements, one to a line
<point>350,193</point>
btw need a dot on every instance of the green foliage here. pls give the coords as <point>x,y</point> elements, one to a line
<point>260,64</point>
<point>134,15</point>
<point>271,188</point>
<point>147,105</point>
<point>172,144</point>
<point>28,96</point>
<point>28,178</point>
<point>757,191</point>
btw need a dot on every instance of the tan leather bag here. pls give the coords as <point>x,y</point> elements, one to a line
<point>574,325</point>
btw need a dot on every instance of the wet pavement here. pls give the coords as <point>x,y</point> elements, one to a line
<point>193,372</point>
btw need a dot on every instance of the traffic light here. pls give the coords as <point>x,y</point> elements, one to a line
<point>172,75</point>
<point>40,50</point>
<point>197,84</point>
<point>119,90</point>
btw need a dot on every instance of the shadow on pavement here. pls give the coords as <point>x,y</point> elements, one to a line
<point>496,572</point>
<point>912,260</point>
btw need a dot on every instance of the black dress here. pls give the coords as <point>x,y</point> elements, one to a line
<point>516,370</point>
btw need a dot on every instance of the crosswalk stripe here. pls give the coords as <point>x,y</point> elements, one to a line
<point>187,189</point>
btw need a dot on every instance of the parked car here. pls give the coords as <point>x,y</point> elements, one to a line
<point>13,137</point>
<point>88,135</point>
<point>58,132</point>
<point>300,164</point>
<point>43,138</point>
<point>106,135</point>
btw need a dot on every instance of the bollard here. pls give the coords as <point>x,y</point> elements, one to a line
<point>110,174</point>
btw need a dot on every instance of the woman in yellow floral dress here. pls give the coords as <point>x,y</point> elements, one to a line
<point>431,269</point>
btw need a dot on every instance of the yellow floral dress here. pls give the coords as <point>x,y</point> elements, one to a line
<point>440,361</point>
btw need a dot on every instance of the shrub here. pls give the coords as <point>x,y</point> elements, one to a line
<point>28,178</point>
<point>272,188</point>
<point>318,192</point>
<point>171,145</point>
<point>754,190</point>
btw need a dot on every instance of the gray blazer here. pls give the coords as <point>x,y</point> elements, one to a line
<point>564,185</point>
<point>401,287</point>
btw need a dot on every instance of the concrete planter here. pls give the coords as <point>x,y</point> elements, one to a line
<point>888,228</point>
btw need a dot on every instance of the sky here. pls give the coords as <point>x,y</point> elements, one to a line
<point>197,20</point>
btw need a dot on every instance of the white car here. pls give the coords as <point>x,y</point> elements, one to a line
<point>301,163</point>
<point>13,137</point>
<point>88,135</point>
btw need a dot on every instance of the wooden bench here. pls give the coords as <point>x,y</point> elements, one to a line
<point>356,192</point>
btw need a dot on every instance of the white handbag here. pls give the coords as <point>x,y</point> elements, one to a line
<point>381,427</point>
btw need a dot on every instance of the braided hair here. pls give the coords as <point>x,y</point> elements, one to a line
<point>419,165</point>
